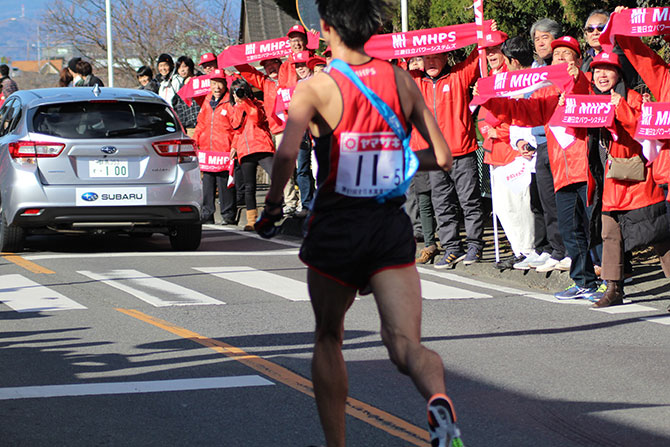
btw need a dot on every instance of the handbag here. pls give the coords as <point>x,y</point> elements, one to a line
<point>629,169</point>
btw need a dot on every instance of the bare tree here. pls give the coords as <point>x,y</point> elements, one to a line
<point>143,29</point>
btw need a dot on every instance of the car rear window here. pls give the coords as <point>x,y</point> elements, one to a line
<point>104,119</point>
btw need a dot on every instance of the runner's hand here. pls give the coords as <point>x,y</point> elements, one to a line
<point>268,225</point>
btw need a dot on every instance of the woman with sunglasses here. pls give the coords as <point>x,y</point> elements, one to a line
<point>594,26</point>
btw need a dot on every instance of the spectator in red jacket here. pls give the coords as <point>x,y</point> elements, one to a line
<point>622,200</point>
<point>252,143</point>
<point>446,91</point>
<point>214,132</point>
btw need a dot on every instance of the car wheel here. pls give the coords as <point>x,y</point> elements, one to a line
<point>186,237</point>
<point>11,236</point>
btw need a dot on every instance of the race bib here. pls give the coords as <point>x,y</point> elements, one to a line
<point>369,164</point>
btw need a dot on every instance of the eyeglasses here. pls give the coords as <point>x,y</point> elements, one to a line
<point>591,29</point>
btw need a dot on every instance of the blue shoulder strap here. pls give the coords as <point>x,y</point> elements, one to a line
<point>411,161</point>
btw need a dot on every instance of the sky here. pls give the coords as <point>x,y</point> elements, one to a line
<point>18,38</point>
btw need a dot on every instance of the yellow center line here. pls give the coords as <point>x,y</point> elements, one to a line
<point>28,265</point>
<point>360,410</point>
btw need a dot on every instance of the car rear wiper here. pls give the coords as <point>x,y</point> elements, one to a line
<point>128,131</point>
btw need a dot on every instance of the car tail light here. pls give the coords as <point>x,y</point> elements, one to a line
<point>32,212</point>
<point>175,148</point>
<point>185,209</point>
<point>32,149</point>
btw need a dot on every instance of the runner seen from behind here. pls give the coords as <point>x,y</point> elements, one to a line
<point>358,236</point>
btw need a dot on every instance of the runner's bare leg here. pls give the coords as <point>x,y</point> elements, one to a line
<point>330,301</point>
<point>398,296</point>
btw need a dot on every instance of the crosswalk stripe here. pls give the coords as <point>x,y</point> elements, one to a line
<point>288,288</point>
<point>110,388</point>
<point>140,285</point>
<point>25,295</point>
<point>435,291</point>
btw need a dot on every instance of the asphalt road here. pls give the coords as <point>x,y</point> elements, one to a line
<point>115,341</point>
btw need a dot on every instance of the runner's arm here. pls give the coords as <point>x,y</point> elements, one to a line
<point>301,112</point>
<point>437,155</point>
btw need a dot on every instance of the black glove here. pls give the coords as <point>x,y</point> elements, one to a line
<point>268,225</point>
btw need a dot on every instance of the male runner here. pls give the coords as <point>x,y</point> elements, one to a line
<point>353,240</point>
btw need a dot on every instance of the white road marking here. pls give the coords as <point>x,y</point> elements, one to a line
<point>108,388</point>
<point>436,291</point>
<point>162,254</point>
<point>288,288</point>
<point>139,284</point>
<point>471,282</point>
<point>626,308</point>
<point>660,319</point>
<point>24,295</point>
<point>252,235</point>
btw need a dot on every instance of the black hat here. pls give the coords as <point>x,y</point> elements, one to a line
<point>72,63</point>
<point>165,58</point>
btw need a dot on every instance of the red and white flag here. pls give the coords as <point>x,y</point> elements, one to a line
<point>584,111</point>
<point>515,83</point>
<point>653,128</point>
<point>635,22</point>
<point>196,88</point>
<point>258,51</point>
<point>424,42</point>
<point>214,161</point>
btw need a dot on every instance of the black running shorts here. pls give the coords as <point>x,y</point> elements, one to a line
<point>351,245</point>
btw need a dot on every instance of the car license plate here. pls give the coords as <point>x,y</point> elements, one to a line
<point>108,168</point>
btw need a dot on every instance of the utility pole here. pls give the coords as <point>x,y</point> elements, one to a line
<point>110,58</point>
<point>403,15</point>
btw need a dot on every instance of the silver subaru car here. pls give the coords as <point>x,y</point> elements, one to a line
<point>96,160</point>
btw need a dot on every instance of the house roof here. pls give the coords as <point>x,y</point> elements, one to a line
<point>263,20</point>
<point>38,66</point>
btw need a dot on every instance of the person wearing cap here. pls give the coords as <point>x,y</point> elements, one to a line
<point>169,82</point>
<point>214,133</point>
<point>446,91</point>
<point>316,64</point>
<point>208,62</point>
<point>569,166</point>
<point>624,201</point>
<point>297,37</point>
<point>655,72</point>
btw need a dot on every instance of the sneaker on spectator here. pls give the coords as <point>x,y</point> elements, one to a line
<point>474,255</point>
<point>524,264</point>
<point>574,292</point>
<point>540,260</point>
<point>564,264</point>
<point>599,293</point>
<point>549,265</point>
<point>450,259</point>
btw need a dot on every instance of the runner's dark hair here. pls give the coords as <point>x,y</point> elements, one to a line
<point>354,20</point>
<point>518,48</point>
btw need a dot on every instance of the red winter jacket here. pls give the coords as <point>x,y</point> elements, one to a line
<point>620,195</point>
<point>569,165</point>
<point>252,133</point>
<point>214,131</point>
<point>497,150</point>
<point>448,97</point>
<point>269,87</point>
<point>656,74</point>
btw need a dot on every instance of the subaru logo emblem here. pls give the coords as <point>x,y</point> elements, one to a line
<point>89,196</point>
<point>109,150</point>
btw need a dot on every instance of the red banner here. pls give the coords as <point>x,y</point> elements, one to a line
<point>514,83</point>
<point>258,51</point>
<point>636,22</point>
<point>584,111</point>
<point>655,122</point>
<point>214,161</point>
<point>424,41</point>
<point>195,88</point>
